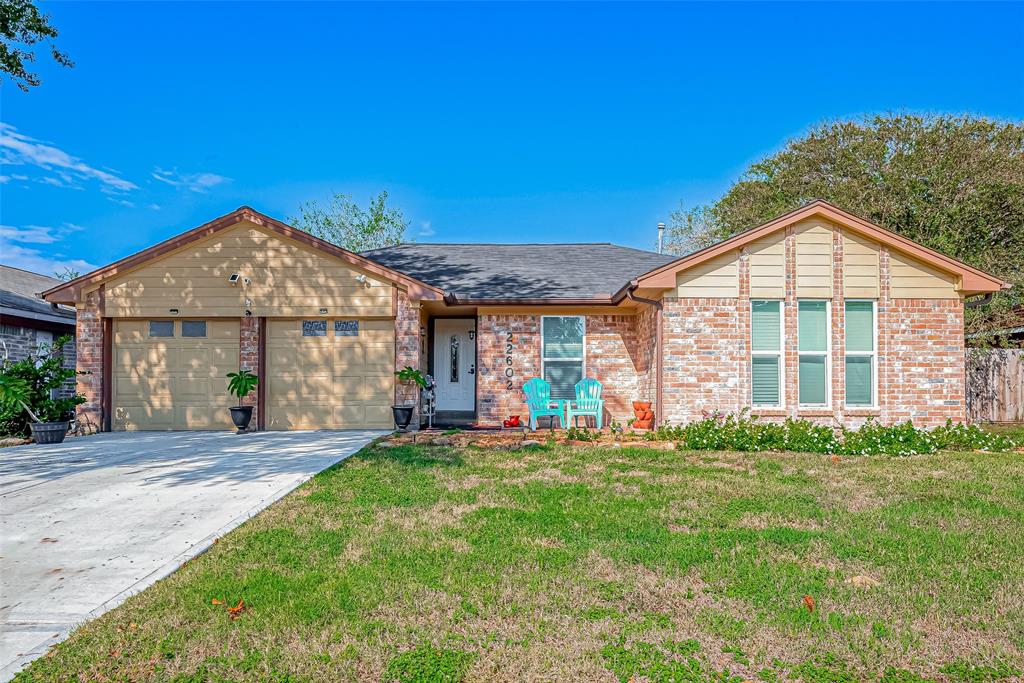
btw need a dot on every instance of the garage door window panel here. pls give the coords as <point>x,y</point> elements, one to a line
<point>193,328</point>
<point>161,328</point>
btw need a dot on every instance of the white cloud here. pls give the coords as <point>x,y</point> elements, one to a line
<point>20,149</point>
<point>155,207</point>
<point>13,253</point>
<point>122,202</point>
<point>33,260</point>
<point>196,182</point>
<point>426,230</point>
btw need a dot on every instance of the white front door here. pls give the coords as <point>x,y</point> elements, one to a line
<point>455,363</point>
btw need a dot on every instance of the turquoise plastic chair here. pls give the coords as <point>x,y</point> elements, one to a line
<point>539,402</point>
<point>588,401</point>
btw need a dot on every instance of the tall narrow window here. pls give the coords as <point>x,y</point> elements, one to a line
<point>562,353</point>
<point>766,353</point>
<point>812,336</point>
<point>453,346</point>
<point>861,354</point>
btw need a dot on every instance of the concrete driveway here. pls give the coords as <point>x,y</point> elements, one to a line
<point>87,523</point>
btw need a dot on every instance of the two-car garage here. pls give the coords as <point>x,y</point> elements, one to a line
<point>321,373</point>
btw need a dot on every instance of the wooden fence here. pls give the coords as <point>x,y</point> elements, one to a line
<point>995,385</point>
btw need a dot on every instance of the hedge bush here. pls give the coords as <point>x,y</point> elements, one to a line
<point>717,432</point>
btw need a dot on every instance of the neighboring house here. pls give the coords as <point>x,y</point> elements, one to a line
<point>26,320</point>
<point>816,314</point>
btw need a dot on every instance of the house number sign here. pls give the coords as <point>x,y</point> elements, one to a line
<point>509,371</point>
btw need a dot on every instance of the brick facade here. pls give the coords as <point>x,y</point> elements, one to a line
<point>507,354</point>
<point>249,359</point>
<point>407,350</point>
<point>705,355</point>
<point>89,337</point>
<point>615,358</point>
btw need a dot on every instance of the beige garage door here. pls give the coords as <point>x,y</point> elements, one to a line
<point>169,374</point>
<point>330,374</point>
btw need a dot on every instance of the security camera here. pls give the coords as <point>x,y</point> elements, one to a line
<point>361,279</point>
<point>234,277</point>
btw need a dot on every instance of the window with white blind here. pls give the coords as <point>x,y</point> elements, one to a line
<point>861,353</point>
<point>813,346</point>
<point>562,353</point>
<point>766,353</point>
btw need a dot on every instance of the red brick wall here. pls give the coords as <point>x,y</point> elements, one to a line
<point>507,354</point>
<point>89,342</point>
<point>249,359</point>
<point>646,357</point>
<point>407,350</point>
<point>705,357</point>
<point>615,358</point>
<point>924,365</point>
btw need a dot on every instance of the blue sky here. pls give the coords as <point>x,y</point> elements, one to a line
<point>486,122</point>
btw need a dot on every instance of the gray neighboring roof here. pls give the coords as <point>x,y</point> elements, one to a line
<point>521,271</point>
<point>19,295</point>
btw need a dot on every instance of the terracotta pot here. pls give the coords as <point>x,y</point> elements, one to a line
<point>641,405</point>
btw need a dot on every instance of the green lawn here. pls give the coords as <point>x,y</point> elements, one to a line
<point>553,563</point>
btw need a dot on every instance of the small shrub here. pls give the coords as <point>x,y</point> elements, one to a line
<point>581,434</point>
<point>426,664</point>
<point>36,378</point>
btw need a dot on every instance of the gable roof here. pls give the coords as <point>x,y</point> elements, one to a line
<point>19,296</point>
<point>973,281</point>
<point>517,273</point>
<point>69,292</point>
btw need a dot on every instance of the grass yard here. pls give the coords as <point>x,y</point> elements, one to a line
<point>557,563</point>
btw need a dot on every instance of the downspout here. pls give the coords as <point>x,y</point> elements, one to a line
<point>658,347</point>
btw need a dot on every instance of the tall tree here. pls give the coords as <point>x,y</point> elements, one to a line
<point>345,223</point>
<point>952,183</point>
<point>22,25</point>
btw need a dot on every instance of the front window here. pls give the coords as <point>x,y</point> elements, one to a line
<point>861,359</point>
<point>766,353</point>
<point>813,338</point>
<point>562,353</point>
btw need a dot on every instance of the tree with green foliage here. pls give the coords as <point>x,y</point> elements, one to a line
<point>345,223</point>
<point>22,25</point>
<point>952,183</point>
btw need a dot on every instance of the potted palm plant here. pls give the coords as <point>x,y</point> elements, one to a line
<point>410,377</point>
<point>28,400</point>
<point>241,384</point>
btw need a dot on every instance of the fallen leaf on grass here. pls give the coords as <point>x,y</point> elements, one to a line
<point>237,609</point>
<point>809,603</point>
<point>836,459</point>
<point>215,601</point>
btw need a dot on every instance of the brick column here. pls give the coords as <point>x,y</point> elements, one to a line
<point>838,331</point>
<point>407,351</point>
<point>89,343</point>
<point>791,346</point>
<point>249,359</point>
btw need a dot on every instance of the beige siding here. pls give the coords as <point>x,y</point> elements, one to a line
<point>287,279</point>
<point>162,383</point>
<point>768,266</point>
<point>330,382</point>
<point>912,279</point>
<point>718,277</point>
<point>860,267</point>
<point>813,259</point>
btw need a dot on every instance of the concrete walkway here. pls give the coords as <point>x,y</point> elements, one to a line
<point>87,523</point>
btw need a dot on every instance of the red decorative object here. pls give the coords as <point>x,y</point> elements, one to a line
<point>512,421</point>
<point>644,415</point>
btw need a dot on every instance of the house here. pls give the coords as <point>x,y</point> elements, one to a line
<point>26,320</point>
<point>815,314</point>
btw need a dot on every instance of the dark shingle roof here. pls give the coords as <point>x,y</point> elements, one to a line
<point>521,271</point>
<point>19,295</point>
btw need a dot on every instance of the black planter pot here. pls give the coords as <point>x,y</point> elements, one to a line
<point>241,416</point>
<point>49,432</point>
<point>403,416</point>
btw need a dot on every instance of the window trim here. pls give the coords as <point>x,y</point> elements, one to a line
<point>829,385</point>
<point>873,354</point>
<point>780,354</point>
<point>582,359</point>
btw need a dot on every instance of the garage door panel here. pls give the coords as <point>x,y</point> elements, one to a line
<point>330,382</point>
<point>173,382</point>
